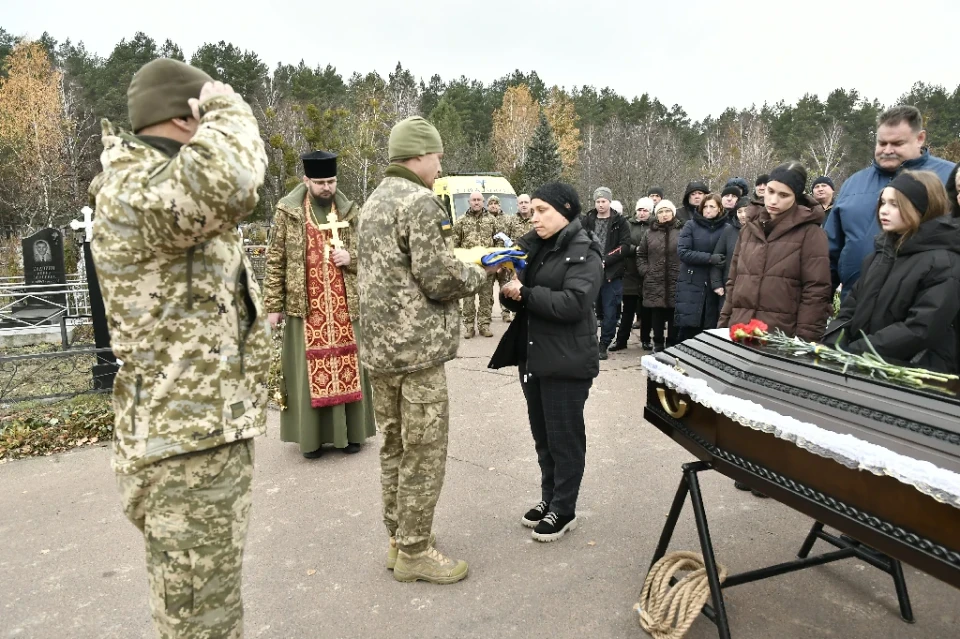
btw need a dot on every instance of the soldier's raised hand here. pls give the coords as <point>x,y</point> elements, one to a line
<point>208,90</point>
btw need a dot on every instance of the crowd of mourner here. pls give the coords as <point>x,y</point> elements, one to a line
<point>887,244</point>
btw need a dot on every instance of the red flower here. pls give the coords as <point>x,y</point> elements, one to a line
<point>755,329</point>
<point>739,332</point>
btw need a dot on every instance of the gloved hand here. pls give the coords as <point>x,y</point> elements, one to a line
<point>717,259</point>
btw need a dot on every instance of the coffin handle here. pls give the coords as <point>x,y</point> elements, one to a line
<point>671,401</point>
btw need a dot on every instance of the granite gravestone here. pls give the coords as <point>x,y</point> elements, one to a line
<point>43,265</point>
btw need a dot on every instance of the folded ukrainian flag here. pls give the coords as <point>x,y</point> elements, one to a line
<point>513,259</point>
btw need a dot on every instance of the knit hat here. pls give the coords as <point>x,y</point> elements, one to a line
<point>617,206</point>
<point>763,178</point>
<point>560,196</point>
<point>159,91</point>
<point>413,137</point>
<point>740,183</point>
<point>666,204</point>
<point>603,192</point>
<point>731,189</point>
<point>645,203</point>
<point>823,179</point>
<point>656,190</point>
<point>793,179</point>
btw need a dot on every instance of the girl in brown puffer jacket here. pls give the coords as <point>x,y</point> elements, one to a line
<point>658,263</point>
<point>780,272</point>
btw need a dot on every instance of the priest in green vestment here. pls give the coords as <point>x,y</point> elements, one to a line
<point>310,287</point>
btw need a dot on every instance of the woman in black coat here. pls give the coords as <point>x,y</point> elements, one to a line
<point>725,246</point>
<point>908,295</point>
<point>698,306</point>
<point>553,341</point>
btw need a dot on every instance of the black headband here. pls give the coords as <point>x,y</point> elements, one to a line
<point>791,178</point>
<point>913,189</point>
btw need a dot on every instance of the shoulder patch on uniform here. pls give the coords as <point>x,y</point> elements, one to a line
<point>445,225</point>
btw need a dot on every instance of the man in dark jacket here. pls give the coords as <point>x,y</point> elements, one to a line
<point>613,234</point>
<point>824,193</point>
<point>692,196</point>
<point>760,187</point>
<point>744,188</point>
<point>852,225</point>
<point>632,283</point>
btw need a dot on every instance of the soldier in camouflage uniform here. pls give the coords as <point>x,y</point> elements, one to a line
<point>185,319</point>
<point>516,226</point>
<point>477,228</point>
<point>409,283</point>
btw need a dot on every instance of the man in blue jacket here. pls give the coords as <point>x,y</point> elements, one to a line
<point>852,225</point>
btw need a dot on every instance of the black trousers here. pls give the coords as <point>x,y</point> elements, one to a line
<point>633,308</point>
<point>555,408</point>
<point>661,317</point>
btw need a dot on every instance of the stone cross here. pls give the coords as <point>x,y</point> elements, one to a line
<point>332,225</point>
<point>87,224</point>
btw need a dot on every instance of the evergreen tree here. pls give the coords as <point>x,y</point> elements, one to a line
<point>542,163</point>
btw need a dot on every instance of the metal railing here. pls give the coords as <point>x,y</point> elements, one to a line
<point>56,375</point>
<point>53,303</point>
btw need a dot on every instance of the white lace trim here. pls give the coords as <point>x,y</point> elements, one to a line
<point>943,485</point>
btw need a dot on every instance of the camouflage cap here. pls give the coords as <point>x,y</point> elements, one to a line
<point>412,138</point>
<point>159,92</point>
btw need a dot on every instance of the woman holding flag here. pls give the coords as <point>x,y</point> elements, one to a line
<point>553,341</point>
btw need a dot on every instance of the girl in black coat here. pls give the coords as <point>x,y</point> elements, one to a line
<point>553,341</point>
<point>698,306</point>
<point>908,295</point>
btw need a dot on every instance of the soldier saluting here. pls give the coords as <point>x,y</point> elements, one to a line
<point>409,283</point>
<point>186,320</point>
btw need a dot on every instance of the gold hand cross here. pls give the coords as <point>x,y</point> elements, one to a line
<point>333,225</point>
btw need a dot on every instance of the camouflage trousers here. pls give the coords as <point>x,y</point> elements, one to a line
<point>193,510</point>
<point>414,417</point>
<point>483,315</point>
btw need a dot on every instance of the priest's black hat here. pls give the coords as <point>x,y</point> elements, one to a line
<point>319,165</point>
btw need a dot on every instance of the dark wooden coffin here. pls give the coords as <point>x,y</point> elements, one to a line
<point>881,511</point>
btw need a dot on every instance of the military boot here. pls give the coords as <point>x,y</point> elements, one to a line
<point>392,551</point>
<point>468,332</point>
<point>429,565</point>
<point>485,331</point>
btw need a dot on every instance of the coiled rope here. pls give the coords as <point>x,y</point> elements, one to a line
<point>668,613</point>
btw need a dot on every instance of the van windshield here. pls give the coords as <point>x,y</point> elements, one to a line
<point>461,203</point>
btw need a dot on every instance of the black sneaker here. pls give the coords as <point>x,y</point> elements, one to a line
<point>352,448</point>
<point>739,485</point>
<point>314,454</point>
<point>617,347</point>
<point>534,515</point>
<point>647,346</point>
<point>603,352</point>
<point>553,526</point>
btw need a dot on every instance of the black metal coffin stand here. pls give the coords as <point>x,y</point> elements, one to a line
<point>881,520</point>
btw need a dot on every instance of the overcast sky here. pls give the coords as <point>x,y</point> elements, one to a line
<point>701,54</point>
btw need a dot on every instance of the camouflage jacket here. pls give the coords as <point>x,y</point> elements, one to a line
<point>519,226</point>
<point>476,229</point>
<point>183,306</point>
<point>285,285</point>
<point>408,277</point>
